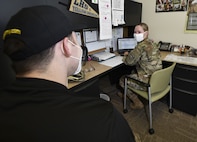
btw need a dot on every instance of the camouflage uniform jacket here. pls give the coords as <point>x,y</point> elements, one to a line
<point>146,56</point>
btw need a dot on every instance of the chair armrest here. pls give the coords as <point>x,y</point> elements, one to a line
<point>138,81</point>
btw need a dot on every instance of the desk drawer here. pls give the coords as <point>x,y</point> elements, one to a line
<point>185,84</point>
<point>185,71</point>
<point>185,101</point>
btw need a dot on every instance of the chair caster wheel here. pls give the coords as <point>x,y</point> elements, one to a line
<point>171,110</point>
<point>151,131</point>
<point>125,110</point>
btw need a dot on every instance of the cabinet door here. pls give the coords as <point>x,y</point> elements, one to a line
<point>133,12</point>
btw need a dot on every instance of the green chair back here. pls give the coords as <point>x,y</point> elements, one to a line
<point>160,79</point>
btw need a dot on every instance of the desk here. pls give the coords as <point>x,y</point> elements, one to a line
<point>179,58</point>
<point>184,82</point>
<point>99,69</point>
<point>103,68</point>
<point>90,85</point>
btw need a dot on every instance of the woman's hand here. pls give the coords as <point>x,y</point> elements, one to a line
<point>126,53</point>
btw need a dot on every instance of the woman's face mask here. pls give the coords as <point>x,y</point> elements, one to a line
<point>139,36</point>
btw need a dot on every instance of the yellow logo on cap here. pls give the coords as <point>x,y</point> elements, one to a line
<point>11,31</point>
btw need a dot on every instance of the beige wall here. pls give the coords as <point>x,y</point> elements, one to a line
<point>166,26</point>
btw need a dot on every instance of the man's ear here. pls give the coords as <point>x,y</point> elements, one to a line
<point>65,48</point>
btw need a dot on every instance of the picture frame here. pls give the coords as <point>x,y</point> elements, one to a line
<point>171,5</point>
<point>191,19</point>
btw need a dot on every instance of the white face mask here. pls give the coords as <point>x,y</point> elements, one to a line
<point>139,37</point>
<point>79,64</point>
<point>79,59</point>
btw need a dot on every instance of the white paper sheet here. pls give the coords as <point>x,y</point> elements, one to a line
<point>105,19</point>
<point>90,35</point>
<point>78,35</point>
<point>118,12</point>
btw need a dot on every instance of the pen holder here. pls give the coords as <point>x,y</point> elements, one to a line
<point>111,50</point>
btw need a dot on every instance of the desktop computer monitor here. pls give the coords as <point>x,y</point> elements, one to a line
<point>125,44</point>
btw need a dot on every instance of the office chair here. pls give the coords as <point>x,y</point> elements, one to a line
<point>159,85</point>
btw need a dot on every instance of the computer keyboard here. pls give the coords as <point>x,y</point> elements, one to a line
<point>102,56</point>
<point>112,62</point>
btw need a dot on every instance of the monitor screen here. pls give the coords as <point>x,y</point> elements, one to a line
<point>126,43</point>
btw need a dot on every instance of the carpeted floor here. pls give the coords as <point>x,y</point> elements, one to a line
<point>169,127</point>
